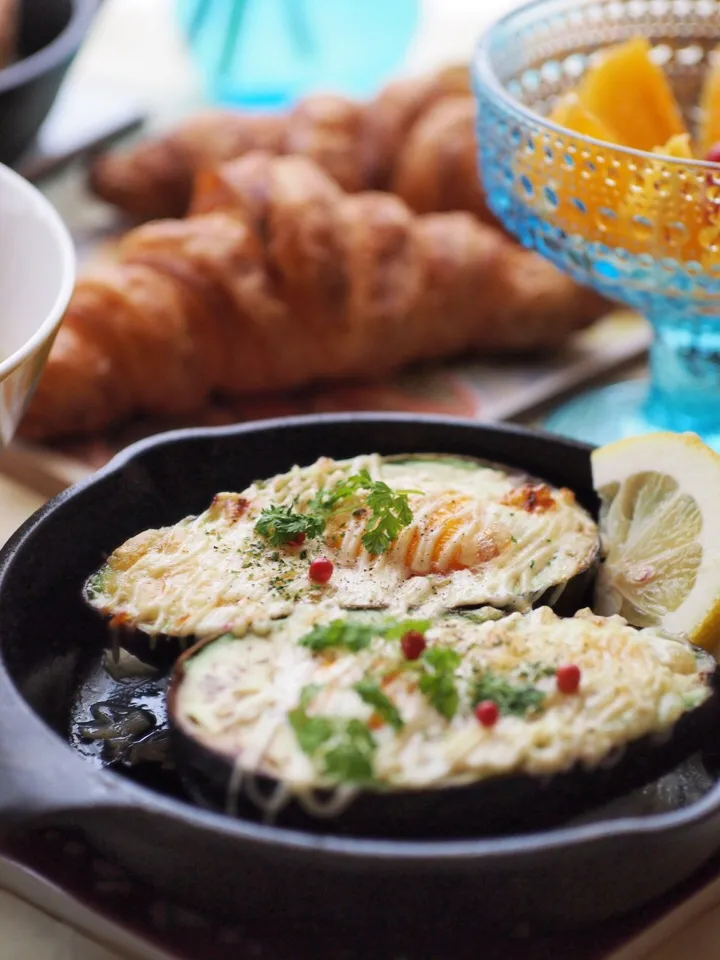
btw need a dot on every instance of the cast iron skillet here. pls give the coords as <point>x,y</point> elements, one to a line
<point>48,641</point>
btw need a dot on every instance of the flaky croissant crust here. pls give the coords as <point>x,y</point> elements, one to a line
<point>280,279</point>
<point>358,144</point>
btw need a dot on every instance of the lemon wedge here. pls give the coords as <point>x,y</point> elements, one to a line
<point>660,534</point>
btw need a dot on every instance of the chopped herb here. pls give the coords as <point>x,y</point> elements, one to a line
<point>303,554</point>
<point>350,760</point>
<point>370,692</point>
<point>396,630</point>
<point>517,699</point>
<point>390,513</point>
<point>311,732</point>
<point>354,636</point>
<point>347,747</point>
<point>281,580</point>
<point>308,694</point>
<point>280,525</point>
<point>534,671</point>
<point>442,658</point>
<point>325,501</point>
<point>438,680</point>
<point>339,633</point>
<point>390,510</point>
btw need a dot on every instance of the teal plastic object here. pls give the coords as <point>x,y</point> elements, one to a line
<point>265,54</point>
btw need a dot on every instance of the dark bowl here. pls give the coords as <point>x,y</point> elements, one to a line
<point>50,34</point>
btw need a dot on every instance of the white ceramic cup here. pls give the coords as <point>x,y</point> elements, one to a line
<point>37,275</point>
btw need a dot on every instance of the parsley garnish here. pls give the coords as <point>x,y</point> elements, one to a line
<point>438,680</point>
<point>350,760</point>
<point>339,633</point>
<point>390,513</point>
<point>347,747</point>
<point>280,525</point>
<point>516,699</point>
<point>308,694</point>
<point>311,732</point>
<point>396,630</point>
<point>355,636</point>
<point>324,501</point>
<point>535,670</point>
<point>370,692</point>
<point>390,510</point>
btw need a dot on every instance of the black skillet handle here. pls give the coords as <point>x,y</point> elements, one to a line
<point>39,774</point>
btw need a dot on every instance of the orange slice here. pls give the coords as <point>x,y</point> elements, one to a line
<point>631,95</point>
<point>709,129</point>
<point>572,113</point>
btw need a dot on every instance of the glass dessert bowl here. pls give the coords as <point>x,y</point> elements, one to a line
<point>642,227</point>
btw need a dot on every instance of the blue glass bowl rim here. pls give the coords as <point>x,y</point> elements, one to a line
<point>485,77</point>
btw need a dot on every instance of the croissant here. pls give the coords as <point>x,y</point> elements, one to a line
<point>436,169</point>
<point>356,143</point>
<point>279,279</point>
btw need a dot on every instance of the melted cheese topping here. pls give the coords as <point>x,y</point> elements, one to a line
<point>235,696</point>
<point>479,535</point>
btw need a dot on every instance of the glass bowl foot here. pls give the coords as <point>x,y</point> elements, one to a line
<point>611,413</point>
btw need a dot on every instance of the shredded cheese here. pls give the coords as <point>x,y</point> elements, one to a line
<point>479,535</point>
<point>236,695</point>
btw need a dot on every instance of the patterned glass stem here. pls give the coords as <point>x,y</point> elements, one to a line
<point>685,371</point>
